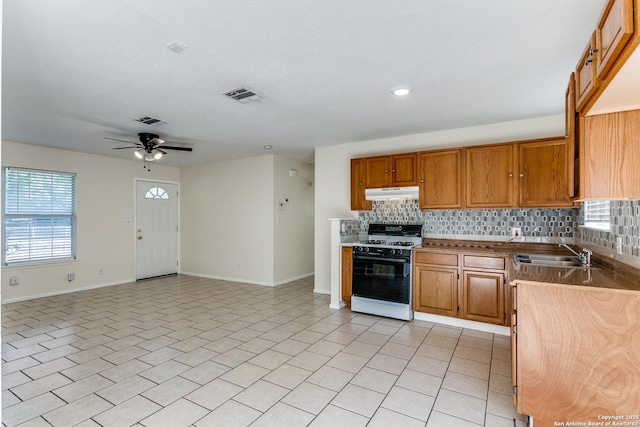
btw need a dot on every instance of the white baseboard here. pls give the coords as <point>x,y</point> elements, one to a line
<point>250,282</point>
<point>67,291</point>
<point>463,323</point>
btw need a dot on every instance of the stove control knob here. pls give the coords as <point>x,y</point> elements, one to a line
<point>393,251</point>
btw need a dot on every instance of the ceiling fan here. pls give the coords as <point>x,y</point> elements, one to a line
<point>150,146</point>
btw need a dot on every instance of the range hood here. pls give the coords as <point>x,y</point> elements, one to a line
<point>390,193</point>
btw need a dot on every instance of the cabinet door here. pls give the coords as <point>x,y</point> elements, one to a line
<point>441,179</point>
<point>609,156</point>
<point>483,296</point>
<point>613,31</point>
<point>347,267</point>
<point>542,173</point>
<point>489,176</point>
<point>377,172</point>
<point>358,202</point>
<point>586,82</point>
<point>404,169</point>
<point>436,290</point>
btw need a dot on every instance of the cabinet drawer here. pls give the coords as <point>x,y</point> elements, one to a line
<point>492,263</point>
<point>437,259</point>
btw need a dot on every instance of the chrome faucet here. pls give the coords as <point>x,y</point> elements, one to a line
<point>584,256</point>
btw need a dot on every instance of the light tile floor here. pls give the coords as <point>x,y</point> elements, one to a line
<point>185,351</point>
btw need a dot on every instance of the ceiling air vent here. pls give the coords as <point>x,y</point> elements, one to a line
<point>150,121</point>
<point>243,95</point>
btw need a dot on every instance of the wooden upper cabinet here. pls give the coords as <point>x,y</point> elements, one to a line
<point>542,173</point>
<point>610,155</point>
<point>586,81</point>
<point>358,202</point>
<point>441,179</point>
<point>399,170</point>
<point>489,176</point>
<point>377,171</point>
<point>404,169</point>
<point>571,134</point>
<point>612,33</point>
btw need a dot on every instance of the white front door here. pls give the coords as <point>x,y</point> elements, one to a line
<point>157,234</point>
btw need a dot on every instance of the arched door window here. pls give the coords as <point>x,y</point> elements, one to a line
<point>156,193</point>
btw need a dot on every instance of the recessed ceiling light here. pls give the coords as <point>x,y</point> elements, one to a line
<point>267,147</point>
<point>401,90</point>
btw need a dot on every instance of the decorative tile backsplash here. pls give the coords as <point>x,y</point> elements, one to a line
<point>625,223</point>
<point>555,223</point>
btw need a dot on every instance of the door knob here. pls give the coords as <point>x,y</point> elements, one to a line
<point>139,237</point>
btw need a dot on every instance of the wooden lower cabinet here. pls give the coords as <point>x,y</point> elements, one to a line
<point>577,353</point>
<point>483,294</point>
<point>480,296</point>
<point>347,271</point>
<point>436,290</point>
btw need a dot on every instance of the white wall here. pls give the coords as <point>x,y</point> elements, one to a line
<point>233,228</point>
<point>104,200</point>
<point>293,225</point>
<point>332,168</point>
<point>227,219</point>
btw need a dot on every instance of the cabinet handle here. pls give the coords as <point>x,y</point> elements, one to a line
<point>422,180</point>
<point>360,183</point>
<point>588,61</point>
<point>386,171</point>
<point>592,51</point>
<point>510,175</point>
<point>393,170</point>
<point>521,175</point>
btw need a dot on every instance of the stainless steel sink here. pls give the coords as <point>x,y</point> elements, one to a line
<point>551,260</point>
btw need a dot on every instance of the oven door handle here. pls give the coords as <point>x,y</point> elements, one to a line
<point>372,258</point>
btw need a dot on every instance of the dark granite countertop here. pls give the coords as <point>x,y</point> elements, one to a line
<point>614,275</point>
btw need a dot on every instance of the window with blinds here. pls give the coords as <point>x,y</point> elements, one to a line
<point>39,216</point>
<point>597,214</point>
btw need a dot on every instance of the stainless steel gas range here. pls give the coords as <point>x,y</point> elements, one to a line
<point>382,282</point>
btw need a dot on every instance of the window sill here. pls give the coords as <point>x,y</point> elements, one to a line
<point>38,264</point>
<point>597,227</point>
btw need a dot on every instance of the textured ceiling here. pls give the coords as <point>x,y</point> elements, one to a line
<point>76,71</point>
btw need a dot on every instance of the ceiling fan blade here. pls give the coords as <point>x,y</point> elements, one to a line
<point>162,151</point>
<point>122,148</point>
<point>121,140</point>
<point>166,147</point>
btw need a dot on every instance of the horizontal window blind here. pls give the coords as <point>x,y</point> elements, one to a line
<point>39,216</point>
<point>597,214</point>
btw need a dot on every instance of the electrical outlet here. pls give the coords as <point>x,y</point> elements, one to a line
<point>516,232</point>
<point>71,276</point>
<point>14,280</point>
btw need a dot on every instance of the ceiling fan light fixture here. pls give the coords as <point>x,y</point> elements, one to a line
<point>138,154</point>
<point>157,154</point>
<point>149,157</point>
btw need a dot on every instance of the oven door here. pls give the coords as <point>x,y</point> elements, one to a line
<point>385,279</point>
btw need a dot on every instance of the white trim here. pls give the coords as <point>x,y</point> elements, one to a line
<point>68,291</point>
<point>249,282</point>
<point>463,323</point>
<point>135,220</point>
